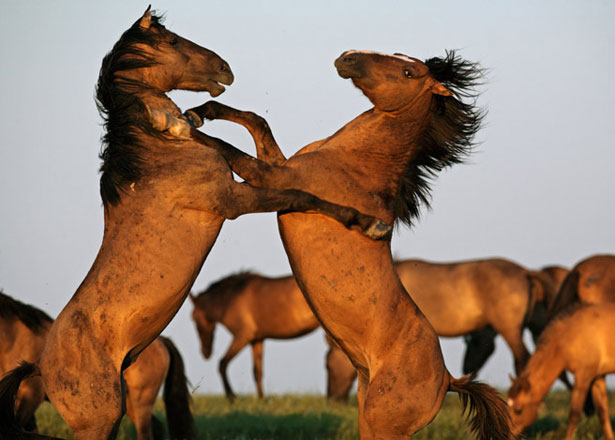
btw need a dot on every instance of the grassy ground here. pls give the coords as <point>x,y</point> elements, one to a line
<point>305,417</point>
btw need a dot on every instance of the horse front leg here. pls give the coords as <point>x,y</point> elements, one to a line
<point>601,403</point>
<point>242,198</point>
<point>267,149</point>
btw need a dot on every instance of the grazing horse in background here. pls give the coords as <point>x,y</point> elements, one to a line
<point>25,329</point>
<point>581,341</point>
<point>253,308</point>
<point>591,281</point>
<point>164,204</point>
<point>379,163</point>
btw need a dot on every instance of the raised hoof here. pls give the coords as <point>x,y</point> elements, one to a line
<point>378,230</point>
<point>193,118</point>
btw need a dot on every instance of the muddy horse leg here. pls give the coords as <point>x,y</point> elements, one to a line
<point>267,148</point>
<point>235,347</point>
<point>579,393</point>
<point>601,403</point>
<point>479,346</point>
<point>257,366</point>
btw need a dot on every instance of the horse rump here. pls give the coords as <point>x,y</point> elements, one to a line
<point>487,413</point>
<point>9,385</point>
<point>176,396</point>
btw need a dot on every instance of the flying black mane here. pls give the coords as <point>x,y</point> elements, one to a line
<point>122,111</point>
<point>230,283</point>
<point>449,136</point>
<point>32,317</point>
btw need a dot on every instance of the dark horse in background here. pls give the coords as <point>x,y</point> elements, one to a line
<point>164,204</point>
<point>424,119</point>
<point>24,329</point>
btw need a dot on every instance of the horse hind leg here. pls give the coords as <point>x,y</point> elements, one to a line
<point>601,403</point>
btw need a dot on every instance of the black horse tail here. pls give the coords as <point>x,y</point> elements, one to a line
<point>488,413</point>
<point>176,396</point>
<point>568,294</point>
<point>9,385</point>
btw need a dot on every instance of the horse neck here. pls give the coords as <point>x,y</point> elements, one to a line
<point>543,368</point>
<point>382,142</point>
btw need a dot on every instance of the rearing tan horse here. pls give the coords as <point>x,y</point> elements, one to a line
<point>164,204</point>
<point>378,163</point>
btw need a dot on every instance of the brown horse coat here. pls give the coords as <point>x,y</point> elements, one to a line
<point>377,163</point>
<point>591,281</point>
<point>25,329</point>
<point>164,204</point>
<point>581,341</point>
<point>253,308</point>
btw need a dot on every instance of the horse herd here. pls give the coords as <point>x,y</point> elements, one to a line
<point>167,187</point>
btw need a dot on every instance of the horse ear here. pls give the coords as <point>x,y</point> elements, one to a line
<point>438,89</point>
<point>192,297</point>
<point>512,379</point>
<point>146,20</point>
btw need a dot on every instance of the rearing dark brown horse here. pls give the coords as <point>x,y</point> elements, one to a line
<point>164,204</point>
<point>379,163</point>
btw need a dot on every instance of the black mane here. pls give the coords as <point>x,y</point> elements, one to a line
<point>232,282</point>
<point>449,136</point>
<point>33,318</point>
<point>122,111</point>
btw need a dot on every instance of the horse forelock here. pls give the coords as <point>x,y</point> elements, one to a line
<point>123,112</point>
<point>33,318</point>
<point>449,136</point>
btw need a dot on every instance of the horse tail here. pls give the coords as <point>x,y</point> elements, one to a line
<point>488,413</point>
<point>9,385</point>
<point>176,396</point>
<point>568,294</point>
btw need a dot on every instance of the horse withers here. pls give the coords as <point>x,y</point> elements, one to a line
<point>378,163</point>
<point>165,200</point>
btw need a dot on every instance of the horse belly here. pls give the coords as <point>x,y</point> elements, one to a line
<point>348,279</point>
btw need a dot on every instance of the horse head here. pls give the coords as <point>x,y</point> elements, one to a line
<point>391,82</point>
<point>205,327</point>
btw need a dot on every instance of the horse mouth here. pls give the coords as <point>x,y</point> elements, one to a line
<point>215,88</point>
<point>346,73</point>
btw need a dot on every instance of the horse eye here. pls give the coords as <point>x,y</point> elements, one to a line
<point>174,41</point>
<point>407,73</point>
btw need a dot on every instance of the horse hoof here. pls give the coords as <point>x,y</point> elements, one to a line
<point>193,118</point>
<point>378,230</point>
<point>180,128</point>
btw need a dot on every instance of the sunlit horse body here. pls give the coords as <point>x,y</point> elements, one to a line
<point>378,163</point>
<point>591,281</point>
<point>24,329</point>
<point>164,204</point>
<point>477,299</point>
<point>580,340</point>
<point>253,308</point>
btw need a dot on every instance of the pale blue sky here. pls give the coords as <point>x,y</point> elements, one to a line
<point>539,189</point>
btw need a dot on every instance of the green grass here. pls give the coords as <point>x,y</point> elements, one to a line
<point>304,417</point>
